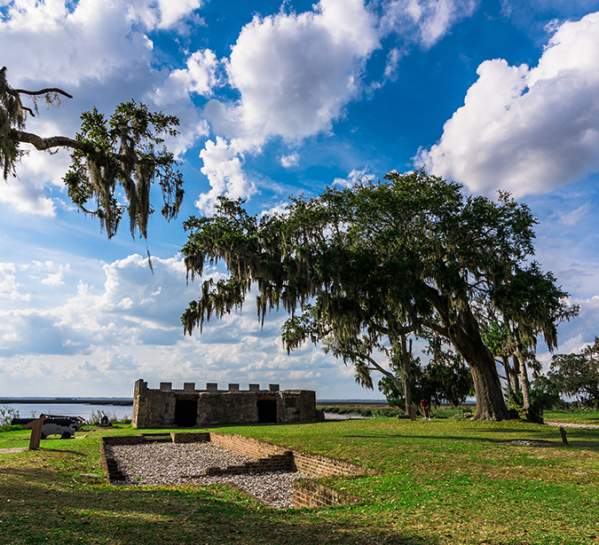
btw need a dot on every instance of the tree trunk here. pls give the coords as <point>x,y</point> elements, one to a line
<point>407,392</point>
<point>515,375</point>
<point>512,376</point>
<point>524,383</point>
<point>508,376</point>
<point>406,375</point>
<point>465,336</point>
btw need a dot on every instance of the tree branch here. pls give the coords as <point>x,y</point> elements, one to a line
<point>436,327</point>
<point>40,92</point>
<point>43,144</point>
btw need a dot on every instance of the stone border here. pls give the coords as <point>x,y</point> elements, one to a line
<point>266,458</point>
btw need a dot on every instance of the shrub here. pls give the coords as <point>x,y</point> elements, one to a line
<point>6,416</point>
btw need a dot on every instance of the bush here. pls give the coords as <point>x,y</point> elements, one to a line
<point>6,416</point>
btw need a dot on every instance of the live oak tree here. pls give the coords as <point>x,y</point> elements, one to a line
<point>114,161</point>
<point>408,255</point>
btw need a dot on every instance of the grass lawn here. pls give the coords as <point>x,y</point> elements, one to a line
<point>439,482</point>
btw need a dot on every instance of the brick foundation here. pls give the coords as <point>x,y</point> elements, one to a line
<point>177,437</point>
<point>265,458</point>
<point>308,493</point>
<point>311,465</point>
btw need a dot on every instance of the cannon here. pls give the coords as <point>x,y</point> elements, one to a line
<point>65,426</point>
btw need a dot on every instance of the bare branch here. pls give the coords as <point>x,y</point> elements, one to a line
<point>41,92</point>
<point>43,144</point>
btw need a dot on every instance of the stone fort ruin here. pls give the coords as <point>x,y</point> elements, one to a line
<point>189,407</point>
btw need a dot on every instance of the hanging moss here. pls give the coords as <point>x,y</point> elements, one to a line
<point>114,161</point>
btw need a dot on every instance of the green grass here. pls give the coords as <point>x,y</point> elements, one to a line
<point>579,416</point>
<point>439,482</point>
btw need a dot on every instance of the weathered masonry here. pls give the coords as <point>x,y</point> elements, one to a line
<point>189,407</point>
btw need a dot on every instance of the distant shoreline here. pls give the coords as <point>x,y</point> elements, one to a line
<point>127,401</point>
<point>66,401</point>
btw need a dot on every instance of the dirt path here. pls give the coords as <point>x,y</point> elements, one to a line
<point>573,425</point>
<point>12,450</point>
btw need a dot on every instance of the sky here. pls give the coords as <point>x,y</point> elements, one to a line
<point>278,98</point>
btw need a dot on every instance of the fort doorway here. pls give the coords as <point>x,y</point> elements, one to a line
<point>267,410</point>
<point>186,412</point>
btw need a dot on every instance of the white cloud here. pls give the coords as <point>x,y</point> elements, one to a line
<point>224,170</point>
<point>296,72</point>
<point>104,336</point>
<point>10,289</point>
<point>393,58</point>
<point>200,76</point>
<point>355,177</point>
<point>527,130</point>
<point>426,20</point>
<point>290,160</point>
<point>172,11</point>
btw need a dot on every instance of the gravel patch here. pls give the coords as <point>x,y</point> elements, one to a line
<point>186,463</point>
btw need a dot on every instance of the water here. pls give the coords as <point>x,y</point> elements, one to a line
<point>27,410</point>
<point>84,410</point>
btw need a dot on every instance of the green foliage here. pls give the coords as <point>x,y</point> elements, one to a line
<point>6,416</point>
<point>359,267</point>
<point>437,382</point>
<point>114,161</point>
<point>127,151</point>
<point>577,375</point>
<point>11,115</point>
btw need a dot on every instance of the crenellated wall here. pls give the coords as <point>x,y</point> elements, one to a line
<point>163,407</point>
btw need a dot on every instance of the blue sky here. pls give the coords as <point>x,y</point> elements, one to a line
<point>278,98</point>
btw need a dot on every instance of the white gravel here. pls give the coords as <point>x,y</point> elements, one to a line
<point>179,463</point>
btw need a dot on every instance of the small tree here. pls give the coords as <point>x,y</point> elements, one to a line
<point>124,153</point>
<point>577,375</point>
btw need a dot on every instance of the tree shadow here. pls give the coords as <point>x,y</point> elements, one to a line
<point>46,507</point>
<point>548,439</point>
<point>62,451</point>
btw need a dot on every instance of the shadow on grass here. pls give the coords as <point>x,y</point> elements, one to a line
<point>46,507</point>
<point>62,451</point>
<point>579,438</point>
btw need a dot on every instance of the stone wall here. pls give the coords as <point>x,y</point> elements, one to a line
<point>227,408</point>
<point>158,407</point>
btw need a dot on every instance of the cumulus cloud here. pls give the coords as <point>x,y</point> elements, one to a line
<point>223,168</point>
<point>294,74</point>
<point>527,130</point>
<point>199,76</point>
<point>426,20</point>
<point>105,335</point>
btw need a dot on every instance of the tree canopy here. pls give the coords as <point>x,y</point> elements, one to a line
<point>577,375</point>
<point>116,157</point>
<point>408,255</point>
